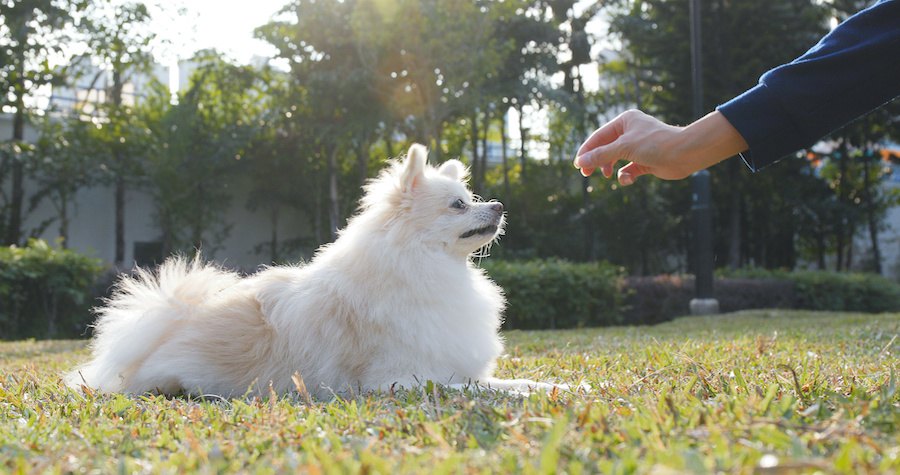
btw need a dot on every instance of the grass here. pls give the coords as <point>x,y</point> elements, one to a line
<point>752,392</point>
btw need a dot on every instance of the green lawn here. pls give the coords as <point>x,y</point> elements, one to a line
<point>752,392</point>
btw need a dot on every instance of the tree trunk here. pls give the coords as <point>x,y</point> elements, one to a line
<point>119,158</point>
<point>503,156</point>
<point>734,217</point>
<point>871,219</point>
<point>168,240</point>
<point>317,216</point>
<point>820,250</point>
<point>589,248</point>
<point>644,257</point>
<point>840,226</point>
<point>64,219</point>
<point>273,240</point>
<point>334,209</point>
<point>438,150</point>
<point>120,219</point>
<point>389,144</point>
<point>362,161</point>
<point>523,157</point>
<point>475,161</point>
<point>484,150</point>
<point>196,224</point>
<point>17,198</point>
<point>851,231</point>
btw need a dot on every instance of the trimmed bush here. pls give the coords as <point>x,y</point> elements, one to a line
<point>656,299</point>
<point>822,290</point>
<point>559,294</point>
<point>850,292</point>
<point>45,291</point>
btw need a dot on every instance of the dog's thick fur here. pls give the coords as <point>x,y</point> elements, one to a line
<point>394,300</point>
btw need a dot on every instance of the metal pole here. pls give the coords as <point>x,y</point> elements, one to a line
<point>704,302</point>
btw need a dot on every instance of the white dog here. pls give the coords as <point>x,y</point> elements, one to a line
<point>395,300</point>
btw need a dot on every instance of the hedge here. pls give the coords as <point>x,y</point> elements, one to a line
<point>559,294</point>
<point>847,291</point>
<point>45,292</point>
<point>48,292</point>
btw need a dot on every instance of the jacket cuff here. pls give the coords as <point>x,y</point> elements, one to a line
<point>759,117</point>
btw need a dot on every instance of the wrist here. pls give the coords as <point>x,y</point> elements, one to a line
<point>706,142</point>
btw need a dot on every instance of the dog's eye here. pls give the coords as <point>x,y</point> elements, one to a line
<point>458,204</point>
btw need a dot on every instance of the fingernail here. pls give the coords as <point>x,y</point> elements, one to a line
<point>578,163</point>
<point>625,179</point>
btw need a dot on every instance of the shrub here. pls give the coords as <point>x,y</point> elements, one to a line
<point>45,291</point>
<point>849,292</point>
<point>822,290</point>
<point>559,294</point>
<point>656,299</point>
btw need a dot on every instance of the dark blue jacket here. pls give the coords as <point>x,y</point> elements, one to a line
<point>851,71</point>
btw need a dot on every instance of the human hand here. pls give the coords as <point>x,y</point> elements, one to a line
<point>653,147</point>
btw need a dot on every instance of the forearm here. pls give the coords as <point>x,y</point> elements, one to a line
<point>706,142</point>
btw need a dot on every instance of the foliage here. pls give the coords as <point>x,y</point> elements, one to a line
<point>763,391</point>
<point>192,150</point>
<point>651,300</point>
<point>45,291</point>
<point>816,290</point>
<point>33,36</point>
<point>558,294</point>
<point>65,158</point>
<point>366,77</point>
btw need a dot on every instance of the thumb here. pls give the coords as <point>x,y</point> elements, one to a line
<point>630,172</point>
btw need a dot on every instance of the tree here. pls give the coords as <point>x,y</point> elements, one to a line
<point>655,36</point>
<point>31,34</point>
<point>118,41</point>
<point>325,53</point>
<point>193,148</point>
<point>63,162</point>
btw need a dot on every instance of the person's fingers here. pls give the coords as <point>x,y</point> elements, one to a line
<point>630,172</point>
<point>587,171</point>
<point>606,134</point>
<point>607,169</point>
<point>603,157</point>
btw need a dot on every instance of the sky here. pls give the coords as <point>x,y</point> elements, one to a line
<point>226,25</point>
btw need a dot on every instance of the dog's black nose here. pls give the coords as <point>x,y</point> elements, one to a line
<point>496,206</point>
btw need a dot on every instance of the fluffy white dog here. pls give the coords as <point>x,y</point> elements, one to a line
<point>395,300</point>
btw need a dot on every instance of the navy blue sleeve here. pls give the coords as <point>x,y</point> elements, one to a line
<point>851,71</point>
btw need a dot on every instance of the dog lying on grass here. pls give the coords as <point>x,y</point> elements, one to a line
<point>395,300</point>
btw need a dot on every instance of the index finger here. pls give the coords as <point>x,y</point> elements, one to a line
<point>606,134</point>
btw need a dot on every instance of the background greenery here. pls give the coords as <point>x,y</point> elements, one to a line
<point>360,79</point>
<point>46,291</point>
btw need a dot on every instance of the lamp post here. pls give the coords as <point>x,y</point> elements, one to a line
<point>704,301</point>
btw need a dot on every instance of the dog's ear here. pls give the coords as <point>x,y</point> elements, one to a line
<point>414,167</point>
<point>454,169</point>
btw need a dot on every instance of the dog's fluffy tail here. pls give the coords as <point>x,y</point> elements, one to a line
<point>144,310</point>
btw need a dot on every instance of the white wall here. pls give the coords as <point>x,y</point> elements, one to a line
<point>92,220</point>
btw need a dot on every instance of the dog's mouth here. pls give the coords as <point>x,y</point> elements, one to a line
<point>489,229</point>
